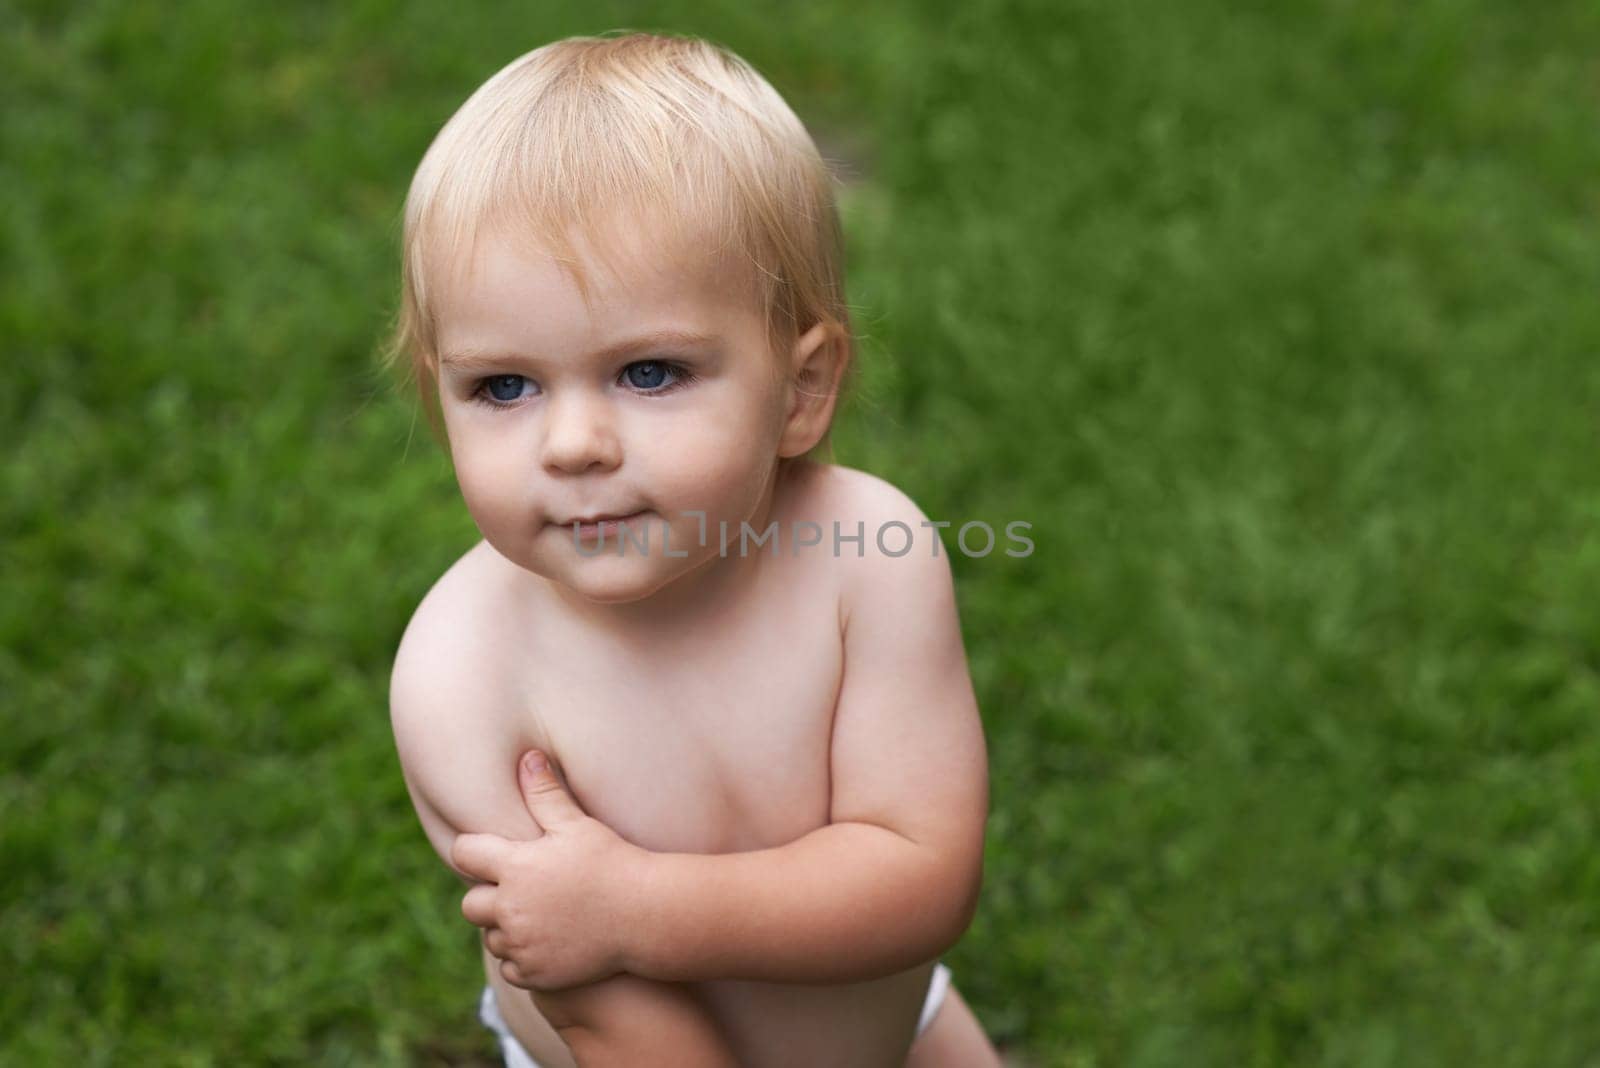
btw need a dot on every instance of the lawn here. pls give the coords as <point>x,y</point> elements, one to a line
<point>1277,321</point>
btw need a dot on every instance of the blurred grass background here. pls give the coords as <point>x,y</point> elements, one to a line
<point>1276,320</point>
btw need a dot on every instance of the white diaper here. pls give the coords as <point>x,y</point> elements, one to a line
<point>517,1057</point>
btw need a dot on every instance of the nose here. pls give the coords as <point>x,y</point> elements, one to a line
<point>579,434</point>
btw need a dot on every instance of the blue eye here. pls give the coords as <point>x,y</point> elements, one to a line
<point>648,377</point>
<point>647,374</point>
<point>504,388</point>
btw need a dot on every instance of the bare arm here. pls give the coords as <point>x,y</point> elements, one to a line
<point>893,880</point>
<point>460,772</point>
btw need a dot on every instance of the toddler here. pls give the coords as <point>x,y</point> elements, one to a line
<point>761,819</point>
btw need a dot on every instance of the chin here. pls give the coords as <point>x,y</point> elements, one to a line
<point>615,581</point>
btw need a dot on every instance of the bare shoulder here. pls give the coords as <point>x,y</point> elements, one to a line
<point>458,729</point>
<point>829,494</point>
<point>443,626</point>
<point>880,537</point>
<point>908,751</point>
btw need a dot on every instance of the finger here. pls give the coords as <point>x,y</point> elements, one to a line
<point>546,796</point>
<point>478,906</point>
<point>479,856</point>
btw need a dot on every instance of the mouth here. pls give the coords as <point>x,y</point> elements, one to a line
<point>589,525</point>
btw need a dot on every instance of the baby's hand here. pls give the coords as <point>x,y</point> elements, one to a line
<point>553,909</point>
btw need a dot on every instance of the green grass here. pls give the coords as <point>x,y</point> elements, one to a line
<point>1277,321</point>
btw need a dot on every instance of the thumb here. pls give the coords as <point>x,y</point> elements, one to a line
<point>547,799</point>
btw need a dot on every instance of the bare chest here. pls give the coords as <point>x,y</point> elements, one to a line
<point>713,742</point>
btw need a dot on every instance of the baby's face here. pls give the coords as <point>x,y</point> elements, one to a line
<point>554,414</point>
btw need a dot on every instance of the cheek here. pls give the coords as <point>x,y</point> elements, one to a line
<point>713,465</point>
<point>488,477</point>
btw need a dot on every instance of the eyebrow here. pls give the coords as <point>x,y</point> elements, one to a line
<point>477,359</point>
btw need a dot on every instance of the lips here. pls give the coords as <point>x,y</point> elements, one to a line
<point>587,528</point>
<point>595,520</point>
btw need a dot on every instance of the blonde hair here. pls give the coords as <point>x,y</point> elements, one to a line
<point>676,129</point>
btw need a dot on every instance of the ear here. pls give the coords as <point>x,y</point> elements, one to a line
<point>812,388</point>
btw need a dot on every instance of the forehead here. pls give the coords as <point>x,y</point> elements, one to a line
<point>508,291</point>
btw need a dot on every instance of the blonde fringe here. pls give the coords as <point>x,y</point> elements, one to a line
<point>587,132</point>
